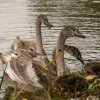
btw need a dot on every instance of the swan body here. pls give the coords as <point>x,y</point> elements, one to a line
<point>20,69</point>
<point>92,68</point>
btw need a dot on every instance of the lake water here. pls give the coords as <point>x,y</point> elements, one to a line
<point>17,17</point>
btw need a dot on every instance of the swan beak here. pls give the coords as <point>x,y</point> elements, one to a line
<point>49,26</point>
<point>78,34</point>
<point>82,61</point>
<point>82,36</point>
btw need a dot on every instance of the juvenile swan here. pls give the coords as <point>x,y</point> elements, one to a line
<point>34,46</point>
<point>68,31</point>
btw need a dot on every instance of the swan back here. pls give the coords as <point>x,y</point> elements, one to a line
<point>92,68</point>
<point>23,66</point>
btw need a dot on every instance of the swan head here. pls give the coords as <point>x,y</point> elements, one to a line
<point>72,31</point>
<point>75,52</point>
<point>44,19</point>
<point>18,43</point>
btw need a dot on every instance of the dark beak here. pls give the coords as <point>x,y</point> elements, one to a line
<point>78,34</point>
<point>50,25</point>
<point>81,36</point>
<point>80,59</point>
<point>82,62</point>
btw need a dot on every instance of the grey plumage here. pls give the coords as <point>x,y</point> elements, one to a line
<point>22,65</point>
<point>75,52</point>
<point>67,31</point>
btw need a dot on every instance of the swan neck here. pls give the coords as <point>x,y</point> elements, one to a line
<point>60,48</point>
<point>39,37</point>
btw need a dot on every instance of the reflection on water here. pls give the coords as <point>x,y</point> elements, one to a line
<point>17,17</point>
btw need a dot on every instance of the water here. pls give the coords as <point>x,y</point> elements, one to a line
<point>17,17</point>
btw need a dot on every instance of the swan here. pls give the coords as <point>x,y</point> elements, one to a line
<point>67,31</point>
<point>23,65</point>
<point>35,46</point>
<point>71,31</point>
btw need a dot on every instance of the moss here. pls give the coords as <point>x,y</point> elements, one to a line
<point>75,85</point>
<point>71,83</point>
<point>11,94</point>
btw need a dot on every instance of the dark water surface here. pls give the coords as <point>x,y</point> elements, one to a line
<point>17,17</point>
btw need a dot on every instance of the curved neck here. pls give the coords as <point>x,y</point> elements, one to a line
<point>40,47</point>
<point>39,37</point>
<point>39,42</point>
<point>60,48</point>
